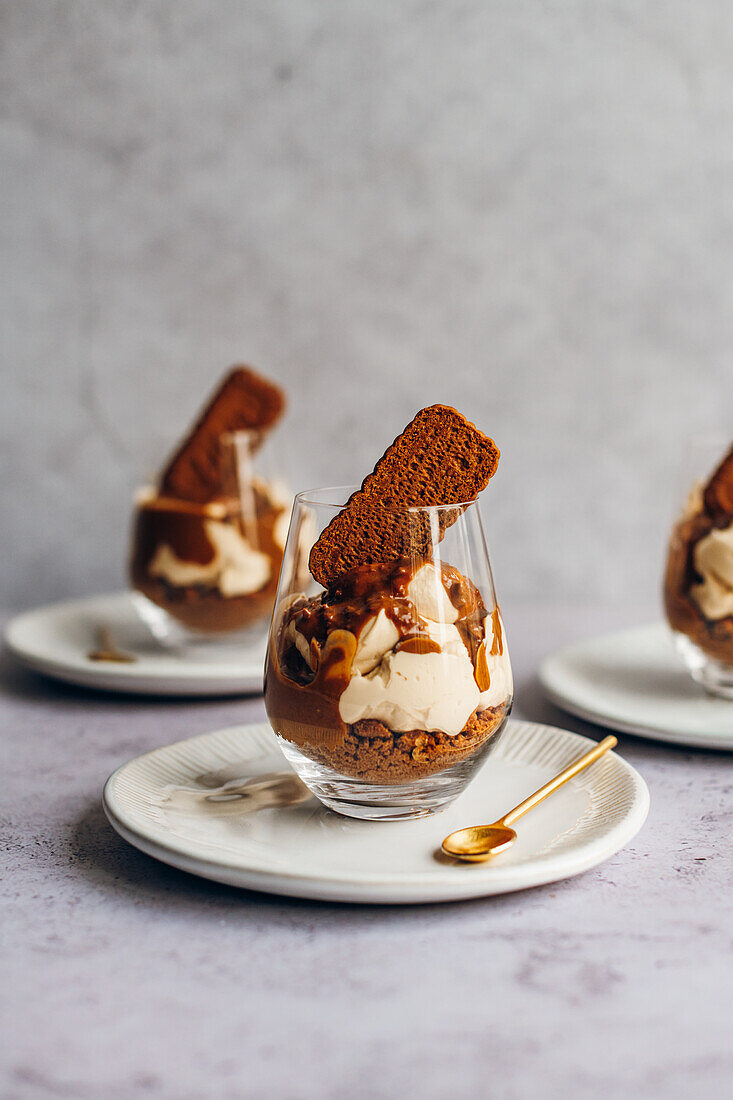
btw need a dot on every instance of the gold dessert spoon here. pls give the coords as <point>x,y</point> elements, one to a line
<point>479,842</point>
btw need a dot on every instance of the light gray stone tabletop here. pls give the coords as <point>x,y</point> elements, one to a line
<point>123,978</point>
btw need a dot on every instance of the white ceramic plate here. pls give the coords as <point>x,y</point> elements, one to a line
<point>56,639</point>
<point>158,803</point>
<point>635,682</point>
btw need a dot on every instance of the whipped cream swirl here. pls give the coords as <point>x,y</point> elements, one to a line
<point>713,559</point>
<point>431,685</point>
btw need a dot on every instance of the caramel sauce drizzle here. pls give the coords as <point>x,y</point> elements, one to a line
<point>306,697</point>
<point>417,643</point>
<point>497,646</point>
<point>481,675</point>
<point>363,592</point>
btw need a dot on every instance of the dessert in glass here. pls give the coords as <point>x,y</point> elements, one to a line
<point>208,540</point>
<point>698,582</point>
<point>387,677</point>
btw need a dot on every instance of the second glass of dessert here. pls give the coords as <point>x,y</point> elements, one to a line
<point>388,678</point>
<point>208,539</point>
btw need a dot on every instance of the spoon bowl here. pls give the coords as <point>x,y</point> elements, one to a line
<point>479,842</point>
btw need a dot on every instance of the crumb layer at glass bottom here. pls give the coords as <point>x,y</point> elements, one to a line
<point>374,773</point>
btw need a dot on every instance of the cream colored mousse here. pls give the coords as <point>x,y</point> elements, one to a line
<point>236,568</point>
<point>278,496</point>
<point>713,558</point>
<point>434,692</point>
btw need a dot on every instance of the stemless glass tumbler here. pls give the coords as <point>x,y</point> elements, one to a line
<point>388,688</point>
<point>207,572</point>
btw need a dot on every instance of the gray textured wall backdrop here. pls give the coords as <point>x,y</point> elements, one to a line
<point>524,208</point>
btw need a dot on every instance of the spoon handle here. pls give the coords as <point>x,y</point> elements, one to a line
<point>582,762</point>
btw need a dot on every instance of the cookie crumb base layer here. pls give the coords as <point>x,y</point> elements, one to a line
<point>372,752</point>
